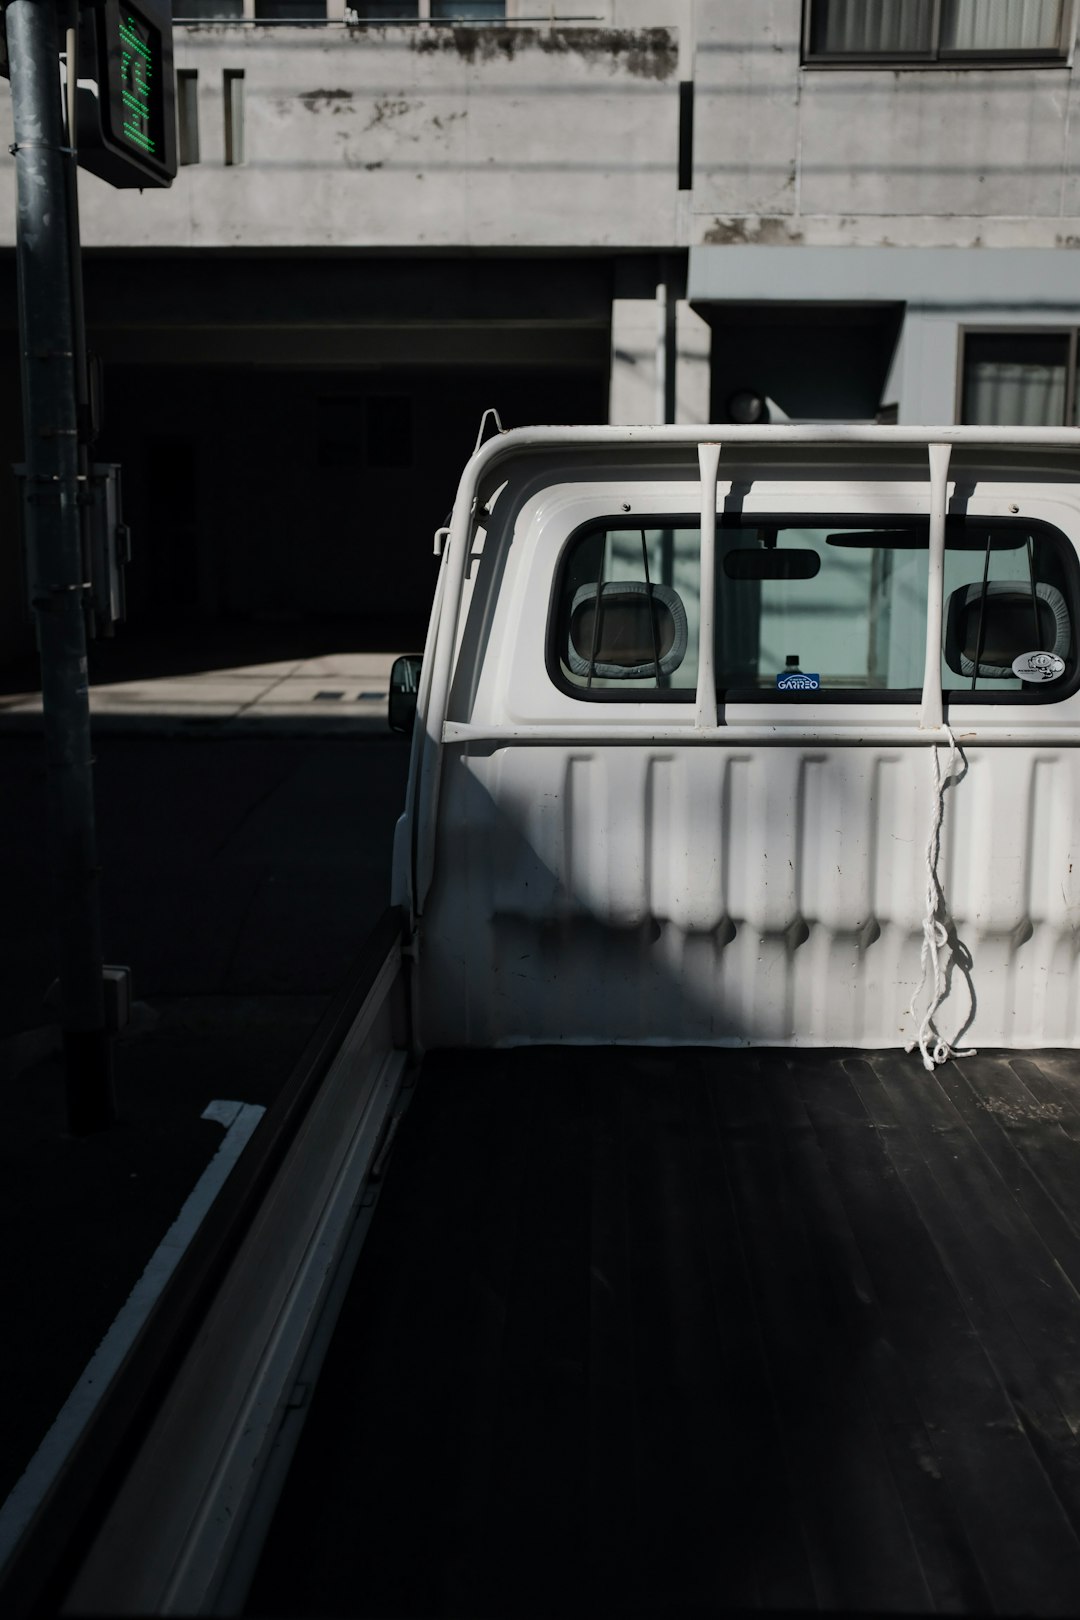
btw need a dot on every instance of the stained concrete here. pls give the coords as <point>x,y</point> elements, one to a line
<point>375,137</point>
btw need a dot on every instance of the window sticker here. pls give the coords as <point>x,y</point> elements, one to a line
<point>797,680</point>
<point>1038,666</point>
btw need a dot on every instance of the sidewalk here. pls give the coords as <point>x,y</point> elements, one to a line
<point>339,690</point>
<point>239,677</point>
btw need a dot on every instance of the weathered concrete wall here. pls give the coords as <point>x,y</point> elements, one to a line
<point>530,140</point>
<point>883,157</point>
<point>526,137</point>
<point>430,138</point>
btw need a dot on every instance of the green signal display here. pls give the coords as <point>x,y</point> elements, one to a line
<point>136,81</point>
<point>127,92</point>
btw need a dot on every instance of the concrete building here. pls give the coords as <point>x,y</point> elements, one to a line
<point>390,217</point>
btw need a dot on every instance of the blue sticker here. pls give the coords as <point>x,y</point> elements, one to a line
<point>794,680</point>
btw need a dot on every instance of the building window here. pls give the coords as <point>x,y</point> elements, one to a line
<point>386,11</point>
<point>826,610</point>
<point>390,11</point>
<point>187,114</point>
<point>1018,379</point>
<point>233,88</point>
<point>208,10</point>
<point>945,31</point>
<point>295,11</point>
<point>489,11</point>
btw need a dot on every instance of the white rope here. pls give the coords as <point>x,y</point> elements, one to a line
<point>934,957</point>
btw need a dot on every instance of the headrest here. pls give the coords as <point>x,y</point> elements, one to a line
<point>1008,626</point>
<point>636,622</point>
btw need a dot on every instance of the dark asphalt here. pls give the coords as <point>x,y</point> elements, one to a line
<point>240,879</point>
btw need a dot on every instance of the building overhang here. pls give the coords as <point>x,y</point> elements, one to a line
<point>992,283</point>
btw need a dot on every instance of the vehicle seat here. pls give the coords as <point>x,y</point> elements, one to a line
<point>626,642</point>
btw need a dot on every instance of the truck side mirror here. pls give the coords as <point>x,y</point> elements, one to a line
<point>404,684</point>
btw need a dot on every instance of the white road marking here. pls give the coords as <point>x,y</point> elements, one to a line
<point>224,1112</point>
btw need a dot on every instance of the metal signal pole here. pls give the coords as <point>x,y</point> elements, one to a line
<point>52,515</point>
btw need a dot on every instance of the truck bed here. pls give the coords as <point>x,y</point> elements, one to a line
<point>665,1331</point>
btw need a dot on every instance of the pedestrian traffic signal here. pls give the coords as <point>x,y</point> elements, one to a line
<point>127,124</point>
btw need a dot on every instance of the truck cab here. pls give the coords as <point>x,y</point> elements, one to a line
<point>692,704</point>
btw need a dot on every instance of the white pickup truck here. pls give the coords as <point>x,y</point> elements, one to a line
<point>729,1254</point>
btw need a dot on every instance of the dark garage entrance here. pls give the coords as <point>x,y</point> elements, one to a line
<point>292,429</point>
<point>279,495</point>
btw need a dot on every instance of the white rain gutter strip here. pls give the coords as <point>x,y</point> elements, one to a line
<point>930,715</point>
<point>853,735</point>
<point>705,716</point>
<point>240,1120</point>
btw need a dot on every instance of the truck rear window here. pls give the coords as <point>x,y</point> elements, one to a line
<point>831,606</point>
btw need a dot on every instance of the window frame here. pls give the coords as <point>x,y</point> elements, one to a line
<point>423,13</point>
<point>1025,329</point>
<point>182,20</point>
<point>552,660</point>
<point>936,59</point>
<point>1027,695</point>
<point>187,116</point>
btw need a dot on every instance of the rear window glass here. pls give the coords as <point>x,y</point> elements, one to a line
<point>620,588</point>
<point>831,606</point>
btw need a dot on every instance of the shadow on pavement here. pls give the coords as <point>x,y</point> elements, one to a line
<point>240,879</point>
